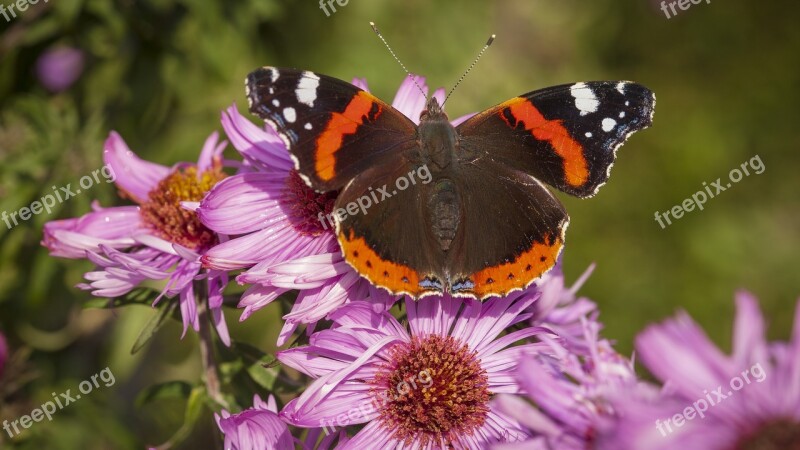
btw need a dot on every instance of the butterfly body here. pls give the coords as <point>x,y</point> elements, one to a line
<point>481,223</point>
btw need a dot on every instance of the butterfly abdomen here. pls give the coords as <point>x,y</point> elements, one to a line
<point>444,211</point>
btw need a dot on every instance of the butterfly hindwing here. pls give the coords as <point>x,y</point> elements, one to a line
<point>333,130</point>
<point>520,242</point>
<point>388,240</point>
<point>566,136</point>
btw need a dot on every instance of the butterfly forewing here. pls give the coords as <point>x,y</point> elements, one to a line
<point>566,136</point>
<point>333,130</point>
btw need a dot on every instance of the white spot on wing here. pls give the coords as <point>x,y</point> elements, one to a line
<point>307,126</point>
<point>609,124</point>
<point>307,88</point>
<point>621,87</point>
<point>585,100</point>
<point>289,114</point>
<point>588,134</point>
<point>276,103</point>
<point>247,93</point>
<point>273,74</point>
<point>622,114</point>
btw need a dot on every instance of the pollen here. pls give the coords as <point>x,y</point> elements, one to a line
<point>778,435</point>
<point>431,391</point>
<point>308,211</point>
<point>163,212</point>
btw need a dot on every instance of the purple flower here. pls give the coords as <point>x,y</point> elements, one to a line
<point>58,68</point>
<point>570,383</point>
<point>160,239</point>
<point>559,308</point>
<point>274,219</point>
<point>3,354</point>
<point>258,428</point>
<point>749,400</point>
<point>427,384</point>
<point>570,386</point>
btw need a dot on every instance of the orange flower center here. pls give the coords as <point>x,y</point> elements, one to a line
<point>163,212</point>
<point>433,389</point>
<point>778,435</point>
<point>309,211</point>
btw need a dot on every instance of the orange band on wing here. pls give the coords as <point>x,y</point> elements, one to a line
<point>576,171</point>
<point>395,277</point>
<point>340,125</point>
<point>518,274</point>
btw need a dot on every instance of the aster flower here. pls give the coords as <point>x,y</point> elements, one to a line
<point>274,219</point>
<point>749,400</point>
<point>570,386</point>
<point>261,428</point>
<point>424,385</point>
<point>159,239</point>
<point>58,68</point>
<point>258,428</point>
<point>559,308</point>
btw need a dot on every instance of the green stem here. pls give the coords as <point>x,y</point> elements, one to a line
<point>206,339</point>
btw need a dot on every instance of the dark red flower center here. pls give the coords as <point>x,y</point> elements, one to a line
<point>309,211</point>
<point>432,389</point>
<point>163,212</point>
<point>778,435</point>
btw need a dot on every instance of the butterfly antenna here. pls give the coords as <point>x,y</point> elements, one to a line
<point>488,43</point>
<point>413,78</point>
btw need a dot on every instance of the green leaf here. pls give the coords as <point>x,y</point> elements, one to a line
<point>169,389</point>
<point>152,327</point>
<point>138,296</point>
<point>230,369</point>
<point>265,372</point>
<point>194,412</point>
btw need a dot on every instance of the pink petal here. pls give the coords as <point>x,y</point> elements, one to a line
<point>261,146</point>
<point>679,351</point>
<point>72,238</point>
<point>749,341</point>
<point>244,203</point>
<point>409,100</point>
<point>360,83</point>
<point>133,175</point>
<point>527,415</point>
<point>211,153</point>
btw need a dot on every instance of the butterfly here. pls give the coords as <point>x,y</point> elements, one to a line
<point>476,220</point>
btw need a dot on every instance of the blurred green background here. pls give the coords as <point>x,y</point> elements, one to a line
<point>160,71</point>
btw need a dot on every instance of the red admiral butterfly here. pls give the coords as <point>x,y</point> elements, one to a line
<point>485,225</point>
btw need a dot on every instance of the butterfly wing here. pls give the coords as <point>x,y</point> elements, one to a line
<point>385,232</point>
<point>511,231</point>
<point>333,130</point>
<point>566,136</point>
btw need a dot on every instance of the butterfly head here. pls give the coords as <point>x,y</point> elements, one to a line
<point>433,111</point>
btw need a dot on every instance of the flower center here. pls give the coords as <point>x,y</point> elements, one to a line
<point>779,435</point>
<point>163,212</point>
<point>309,210</point>
<point>433,389</point>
